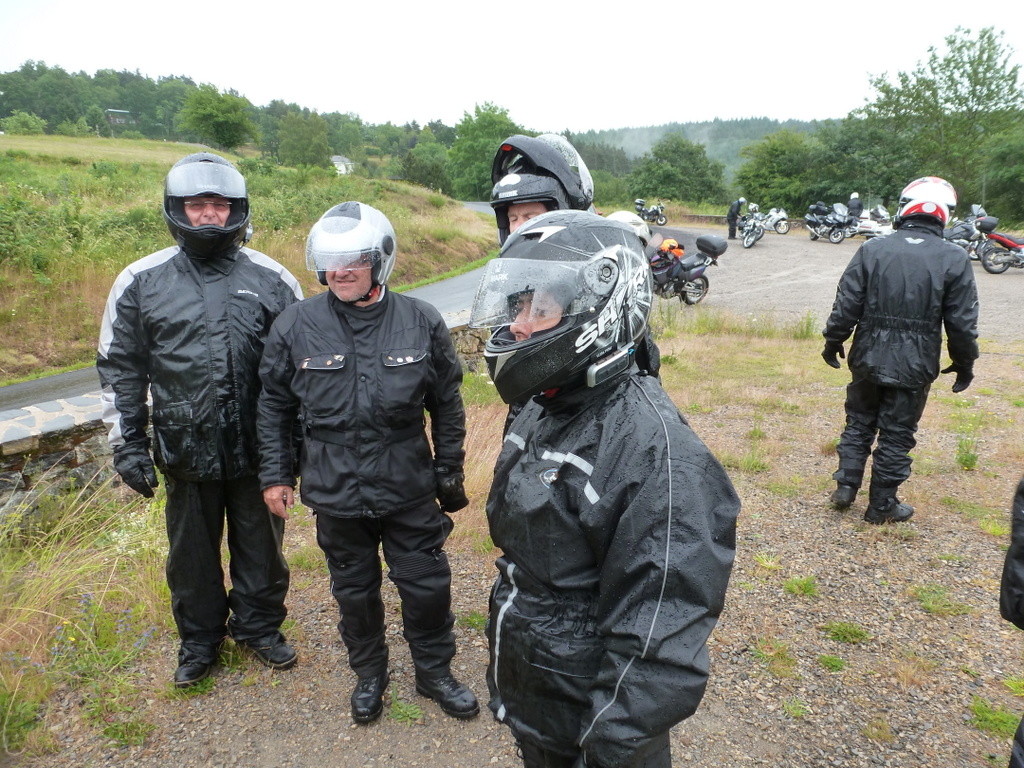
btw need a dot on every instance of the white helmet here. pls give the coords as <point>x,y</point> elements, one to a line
<point>742,200</point>
<point>927,196</point>
<point>351,234</point>
<point>753,208</point>
<point>854,195</point>
<point>639,225</point>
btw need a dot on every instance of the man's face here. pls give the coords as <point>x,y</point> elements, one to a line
<point>539,312</point>
<point>520,213</point>
<point>208,209</point>
<point>351,283</point>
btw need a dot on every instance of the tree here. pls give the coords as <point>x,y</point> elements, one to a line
<point>1005,172</point>
<point>220,119</point>
<point>426,163</point>
<point>780,170</point>
<point>24,123</point>
<point>946,108</point>
<point>678,169</point>
<point>303,140</point>
<point>477,139</point>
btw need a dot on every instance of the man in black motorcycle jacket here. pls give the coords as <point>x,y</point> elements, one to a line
<point>186,326</point>
<point>1011,597</point>
<point>898,293</point>
<point>358,365</point>
<point>615,523</point>
<point>733,216</point>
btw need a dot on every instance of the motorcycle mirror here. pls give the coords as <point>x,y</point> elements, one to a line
<point>712,245</point>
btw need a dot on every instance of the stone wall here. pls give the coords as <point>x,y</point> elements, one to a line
<point>51,447</point>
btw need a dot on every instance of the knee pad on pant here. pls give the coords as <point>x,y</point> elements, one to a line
<point>417,565</point>
<point>354,573</point>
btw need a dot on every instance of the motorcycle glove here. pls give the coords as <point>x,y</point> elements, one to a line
<point>451,491</point>
<point>964,376</point>
<point>135,467</point>
<point>832,352</point>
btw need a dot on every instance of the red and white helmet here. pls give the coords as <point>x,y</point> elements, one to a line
<point>927,196</point>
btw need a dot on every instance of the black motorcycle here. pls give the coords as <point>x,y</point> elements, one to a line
<point>829,223</point>
<point>965,233</point>
<point>655,214</point>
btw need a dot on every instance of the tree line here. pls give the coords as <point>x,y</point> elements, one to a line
<point>957,115</point>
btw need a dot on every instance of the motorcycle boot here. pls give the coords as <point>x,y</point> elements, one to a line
<point>884,507</point>
<point>454,699</point>
<point>368,697</point>
<point>843,496</point>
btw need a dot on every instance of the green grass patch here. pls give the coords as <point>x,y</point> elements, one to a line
<point>993,719</point>
<point>796,708</point>
<point>846,632</point>
<point>404,711</point>
<point>474,620</point>
<point>805,586</point>
<point>832,663</point>
<point>776,656</point>
<point>935,599</point>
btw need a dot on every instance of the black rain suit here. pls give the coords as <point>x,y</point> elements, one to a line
<point>358,380</point>
<point>733,216</point>
<point>855,207</point>
<point>189,332</point>
<point>617,528</point>
<point>898,293</point>
<point>1011,597</point>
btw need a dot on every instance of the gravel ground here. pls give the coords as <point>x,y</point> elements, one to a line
<point>902,698</point>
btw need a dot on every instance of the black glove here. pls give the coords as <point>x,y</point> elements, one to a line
<point>832,352</point>
<point>964,376</point>
<point>136,470</point>
<point>451,491</point>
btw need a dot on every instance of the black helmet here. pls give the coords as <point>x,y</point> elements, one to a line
<point>205,173</point>
<point>348,233</point>
<point>594,270</point>
<point>546,169</point>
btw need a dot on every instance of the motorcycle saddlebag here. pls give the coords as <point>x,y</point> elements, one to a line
<point>987,224</point>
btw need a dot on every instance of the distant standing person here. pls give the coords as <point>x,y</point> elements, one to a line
<point>898,293</point>
<point>855,207</point>
<point>186,325</point>
<point>1011,597</point>
<point>733,216</point>
<point>359,366</point>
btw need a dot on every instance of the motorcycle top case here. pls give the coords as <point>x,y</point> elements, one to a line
<point>987,225</point>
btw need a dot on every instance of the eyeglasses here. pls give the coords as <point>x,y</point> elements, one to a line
<point>200,205</point>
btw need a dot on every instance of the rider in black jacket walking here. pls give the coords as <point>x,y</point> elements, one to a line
<point>899,292</point>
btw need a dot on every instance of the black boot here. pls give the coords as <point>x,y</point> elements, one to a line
<point>889,510</point>
<point>843,496</point>
<point>451,696</point>
<point>195,662</point>
<point>368,697</point>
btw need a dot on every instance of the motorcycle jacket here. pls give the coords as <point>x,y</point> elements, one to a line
<point>734,211</point>
<point>189,332</point>
<point>358,379</point>
<point>617,528</point>
<point>899,292</point>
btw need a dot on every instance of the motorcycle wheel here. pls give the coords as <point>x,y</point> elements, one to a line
<point>782,226</point>
<point>813,234</point>
<point>662,220</point>
<point>995,260</point>
<point>836,236</point>
<point>695,290</point>
<point>750,238</point>
<point>760,233</point>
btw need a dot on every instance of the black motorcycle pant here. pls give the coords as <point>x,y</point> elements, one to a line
<point>659,755</point>
<point>204,610</point>
<point>889,414</point>
<point>413,543</point>
<point>732,227</point>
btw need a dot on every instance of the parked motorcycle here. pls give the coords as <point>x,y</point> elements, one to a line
<point>778,220</point>
<point>831,224</point>
<point>1000,250</point>
<point>751,226</point>
<point>655,214</point>
<point>874,223</point>
<point>684,277</point>
<point>965,233</point>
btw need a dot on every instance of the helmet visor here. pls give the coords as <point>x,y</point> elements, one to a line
<point>193,179</point>
<point>341,242</point>
<point>545,293</point>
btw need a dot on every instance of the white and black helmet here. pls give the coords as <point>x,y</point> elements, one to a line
<point>594,270</point>
<point>206,174</point>
<point>352,235</point>
<point>643,231</point>
<point>546,169</point>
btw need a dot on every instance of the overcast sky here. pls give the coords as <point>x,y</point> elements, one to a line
<point>553,65</point>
